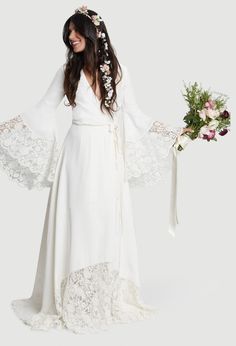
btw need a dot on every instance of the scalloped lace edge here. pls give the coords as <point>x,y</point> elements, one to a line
<point>26,158</point>
<point>89,300</point>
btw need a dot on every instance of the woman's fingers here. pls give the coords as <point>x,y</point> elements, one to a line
<point>187,129</point>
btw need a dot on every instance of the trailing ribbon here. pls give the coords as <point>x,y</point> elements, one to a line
<point>173,221</point>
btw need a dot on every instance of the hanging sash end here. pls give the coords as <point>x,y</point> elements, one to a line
<point>173,222</point>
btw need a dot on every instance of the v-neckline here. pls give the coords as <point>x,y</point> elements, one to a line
<point>90,87</point>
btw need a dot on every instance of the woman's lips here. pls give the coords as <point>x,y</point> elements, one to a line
<point>75,43</point>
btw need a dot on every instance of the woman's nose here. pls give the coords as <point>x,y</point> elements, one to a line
<point>71,35</point>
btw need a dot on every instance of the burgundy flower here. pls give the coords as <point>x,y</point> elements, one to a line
<point>225,114</point>
<point>223,132</point>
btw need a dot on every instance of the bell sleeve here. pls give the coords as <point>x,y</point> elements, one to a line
<point>148,144</point>
<point>29,147</point>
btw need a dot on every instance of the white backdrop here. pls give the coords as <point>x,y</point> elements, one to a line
<point>190,278</point>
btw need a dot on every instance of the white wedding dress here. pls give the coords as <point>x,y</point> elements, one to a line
<point>87,275</point>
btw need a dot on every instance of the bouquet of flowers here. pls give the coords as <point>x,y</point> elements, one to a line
<point>207,116</point>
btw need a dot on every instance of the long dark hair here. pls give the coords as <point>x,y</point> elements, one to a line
<point>92,56</point>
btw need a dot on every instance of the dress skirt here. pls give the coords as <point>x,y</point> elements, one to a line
<point>87,275</point>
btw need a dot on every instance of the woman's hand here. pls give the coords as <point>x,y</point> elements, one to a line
<point>186,129</point>
<point>182,141</point>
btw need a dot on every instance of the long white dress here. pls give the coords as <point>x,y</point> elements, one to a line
<point>87,275</point>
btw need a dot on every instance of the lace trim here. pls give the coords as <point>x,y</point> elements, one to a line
<point>167,132</point>
<point>25,157</point>
<point>90,300</point>
<point>148,160</point>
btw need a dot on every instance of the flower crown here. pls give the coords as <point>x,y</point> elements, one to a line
<point>105,68</point>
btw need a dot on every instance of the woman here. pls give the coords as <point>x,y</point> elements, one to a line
<point>87,275</point>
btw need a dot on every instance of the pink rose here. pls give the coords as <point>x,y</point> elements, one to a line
<point>210,104</point>
<point>207,133</point>
<point>211,134</point>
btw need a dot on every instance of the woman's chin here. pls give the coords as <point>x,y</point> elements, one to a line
<point>77,50</point>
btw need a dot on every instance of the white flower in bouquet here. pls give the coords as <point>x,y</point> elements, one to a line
<point>213,124</point>
<point>202,114</point>
<point>212,113</point>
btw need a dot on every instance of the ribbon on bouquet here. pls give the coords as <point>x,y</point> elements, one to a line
<point>173,218</point>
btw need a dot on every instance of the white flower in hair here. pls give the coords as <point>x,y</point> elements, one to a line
<point>96,19</point>
<point>105,68</point>
<point>110,92</point>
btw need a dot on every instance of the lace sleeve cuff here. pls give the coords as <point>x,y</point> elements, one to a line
<point>27,158</point>
<point>148,159</point>
<point>168,133</point>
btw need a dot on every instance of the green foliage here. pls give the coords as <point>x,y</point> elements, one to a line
<point>224,123</point>
<point>195,97</point>
<point>220,102</point>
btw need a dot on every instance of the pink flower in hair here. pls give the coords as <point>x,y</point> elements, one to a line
<point>83,8</point>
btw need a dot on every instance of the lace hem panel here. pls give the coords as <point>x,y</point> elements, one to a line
<point>148,160</point>
<point>90,300</point>
<point>25,157</point>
